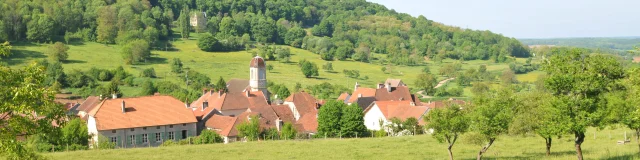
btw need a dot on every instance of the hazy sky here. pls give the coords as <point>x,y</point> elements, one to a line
<point>531,18</point>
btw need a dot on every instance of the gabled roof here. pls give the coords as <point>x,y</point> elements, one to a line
<point>237,85</point>
<point>403,112</point>
<point>394,82</point>
<point>365,92</point>
<point>141,112</point>
<point>343,96</point>
<point>308,123</point>
<point>89,103</point>
<point>385,105</point>
<point>284,113</point>
<point>304,102</point>
<point>227,101</point>
<point>400,93</point>
<point>221,124</point>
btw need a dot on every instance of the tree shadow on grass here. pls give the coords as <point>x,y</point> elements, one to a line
<point>75,61</point>
<point>21,56</point>
<point>319,78</point>
<point>620,157</point>
<point>155,60</point>
<point>532,156</point>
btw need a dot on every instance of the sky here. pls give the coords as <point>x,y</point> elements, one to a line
<point>531,18</point>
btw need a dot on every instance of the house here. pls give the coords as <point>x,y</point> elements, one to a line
<point>636,59</point>
<point>227,126</point>
<point>141,121</point>
<point>391,90</point>
<point>378,115</point>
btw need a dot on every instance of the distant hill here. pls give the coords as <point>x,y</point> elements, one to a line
<point>615,43</point>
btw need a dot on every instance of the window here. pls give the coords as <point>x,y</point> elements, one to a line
<point>158,127</point>
<point>170,126</point>
<point>144,128</point>
<point>113,131</point>
<point>132,139</point>
<point>144,138</point>
<point>171,136</point>
<point>184,124</point>
<point>158,137</point>
<point>133,129</point>
<point>114,139</point>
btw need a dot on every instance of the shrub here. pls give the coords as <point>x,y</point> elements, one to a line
<point>58,52</point>
<point>208,137</point>
<point>149,72</point>
<point>169,143</point>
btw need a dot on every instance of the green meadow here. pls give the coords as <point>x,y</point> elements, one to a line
<point>228,65</point>
<point>601,145</point>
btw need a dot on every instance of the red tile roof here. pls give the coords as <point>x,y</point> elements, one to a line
<point>284,113</point>
<point>221,124</point>
<point>227,101</point>
<point>365,92</point>
<point>141,112</point>
<point>636,59</point>
<point>343,96</point>
<point>308,123</point>
<point>89,103</point>
<point>304,102</point>
<point>385,105</point>
<point>257,62</point>
<point>398,94</point>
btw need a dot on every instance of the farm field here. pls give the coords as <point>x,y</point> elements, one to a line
<point>604,146</point>
<point>231,64</point>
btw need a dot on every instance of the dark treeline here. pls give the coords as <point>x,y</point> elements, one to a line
<point>336,29</point>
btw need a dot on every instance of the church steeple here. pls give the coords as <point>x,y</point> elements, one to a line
<point>258,76</point>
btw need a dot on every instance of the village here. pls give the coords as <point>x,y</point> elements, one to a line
<point>152,120</point>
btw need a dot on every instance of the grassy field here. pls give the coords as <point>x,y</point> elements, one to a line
<point>228,64</point>
<point>412,147</point>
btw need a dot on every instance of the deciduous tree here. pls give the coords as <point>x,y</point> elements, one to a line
<point>448,124</point>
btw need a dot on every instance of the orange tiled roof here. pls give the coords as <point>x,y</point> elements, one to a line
<point>141,112</point>
<point>385,105</point>
<point>89,103</point>
<point>343,96</point>
<point>284,112</point>
<point>304,102</point>
<point>308,122</point>
<point>366,92</point>
<point>227,101</point>
<point>406,111</point>
<point>636,59</point>
<point>400,93</point>
<point>221,124</point>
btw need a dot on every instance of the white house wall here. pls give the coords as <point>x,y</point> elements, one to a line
<point>372,118</point>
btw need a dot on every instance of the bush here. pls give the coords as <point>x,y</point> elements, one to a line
<point>208,137</point>
<point>309,69</point>
<point>149,72</point>
<point>169,143</point>
<point>58,52</point>
<point>351,73</point>
<point>77,79</point>
<point>208,43</point>
<point>176,65</point>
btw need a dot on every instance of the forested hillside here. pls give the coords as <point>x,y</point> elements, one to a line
<point>622,43</point>
<point>339,29</point>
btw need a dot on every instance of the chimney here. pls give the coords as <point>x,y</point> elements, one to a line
<point>279,124</point>
<point>247,93</point>
<point>380,85</point>
<point>388,86</point>
<point>211,92</point>
<point>114,96</point>
<point>219,93</point>
<point>205,104</point>
<point>186,105</point>
<point>356,87</point>
<point>360,95</point>
<point>413,104</point>
<point>122,107</point>
<point>204,92</point>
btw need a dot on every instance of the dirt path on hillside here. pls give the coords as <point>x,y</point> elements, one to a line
<point>440,84</point>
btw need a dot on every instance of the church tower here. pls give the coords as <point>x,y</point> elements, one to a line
<point>258,76</point>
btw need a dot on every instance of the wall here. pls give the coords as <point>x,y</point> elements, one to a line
<point>372,118</point>
<point>124,141</point>
<point>294,110</point>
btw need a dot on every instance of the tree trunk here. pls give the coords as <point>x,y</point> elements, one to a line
<point>579,139</point>
<point>548,140</point>
<point>450,153</point>
<point>485,148</point>
<point>637,138</point>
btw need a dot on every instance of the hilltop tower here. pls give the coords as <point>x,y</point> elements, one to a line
<point>258,76</point>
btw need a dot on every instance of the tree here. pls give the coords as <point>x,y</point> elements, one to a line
<point>75,132</point>
<point>176,65</point>
<point>324,29</point>
<point>147,88</point>
<point>480,88</point>
<point>264,30</point>
<point>426,82</point>
<point>208,43</point>
<point>221,85</point>
<point>297,88</point>
<point>250,129</point>
<point>5,49</point>
<point>309,69</point>
<point>106,29</point>
<point>149,72</point>
<point>58,52</point>
<point>352,121</point>
<point>295,36</point>
<point>448,124</point>
<point>426,69</point>
<point>283,54</point>
<point>208,137</point>
<point>491,116</point>
<point>508,77</point>
<point>184,22</point>
<point>328,67</point>
<point>136,51</point>
<point>329,118</point>
<point>55,73</point>
<point>40,28</point>
<point>578,81</point>
<point>288,131</point>
<point>26,93</point>
<point>534,114</point>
